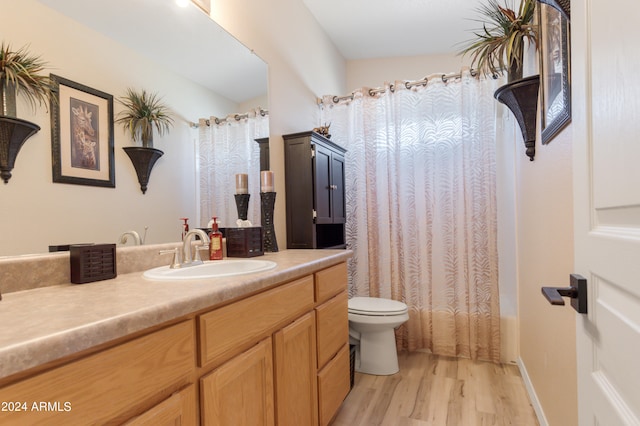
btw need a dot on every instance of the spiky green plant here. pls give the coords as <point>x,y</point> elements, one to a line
<point>144,111</point>
<point>20,73</point>
<point>499,46</point>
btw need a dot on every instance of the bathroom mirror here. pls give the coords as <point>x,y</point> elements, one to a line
<point>181,54</point>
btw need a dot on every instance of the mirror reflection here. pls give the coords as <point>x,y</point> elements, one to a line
<point>197,68</point>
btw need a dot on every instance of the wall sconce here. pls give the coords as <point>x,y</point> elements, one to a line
<point>143,160</point>
<point>13,134</point>
<point>521,97</point>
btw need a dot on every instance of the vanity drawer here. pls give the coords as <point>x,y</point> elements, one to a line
<point>107,387</point>
<point>332,327</point>
<point>333,385</point>
<point>330,282</point>
<point>233,328</point>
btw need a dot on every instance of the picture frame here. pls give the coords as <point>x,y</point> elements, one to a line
<point>555,71</point>
<point>82,148</point>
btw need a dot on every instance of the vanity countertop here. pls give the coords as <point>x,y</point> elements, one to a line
<point>44,324</point>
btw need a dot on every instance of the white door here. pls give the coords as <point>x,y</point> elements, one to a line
<point>606,128</point>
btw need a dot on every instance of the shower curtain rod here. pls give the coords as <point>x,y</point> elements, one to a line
<point>236,117</point>
<point>408,84</point>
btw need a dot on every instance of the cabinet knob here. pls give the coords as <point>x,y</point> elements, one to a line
<point>333,186</point>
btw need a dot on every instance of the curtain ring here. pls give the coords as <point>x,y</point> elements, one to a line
<point>444,78</point>
<point>336,99</point>
<point>473,72</point>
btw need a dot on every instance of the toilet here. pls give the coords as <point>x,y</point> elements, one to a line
<point>371,324</point>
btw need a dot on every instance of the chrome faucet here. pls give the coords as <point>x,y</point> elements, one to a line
<point>187,258</point>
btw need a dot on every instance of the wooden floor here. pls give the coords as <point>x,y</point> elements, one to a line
<point>434,390</point>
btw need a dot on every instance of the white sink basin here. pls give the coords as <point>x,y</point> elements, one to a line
<point>210,269</point>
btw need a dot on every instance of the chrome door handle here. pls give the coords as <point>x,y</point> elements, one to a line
<point>577,292</point>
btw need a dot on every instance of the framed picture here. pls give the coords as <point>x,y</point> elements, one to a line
<point>555,71</point>
<point>81,134</point>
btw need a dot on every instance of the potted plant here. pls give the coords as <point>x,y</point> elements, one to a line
<point>500,44</point>
<point>143,111</point>
<point>20,73</point>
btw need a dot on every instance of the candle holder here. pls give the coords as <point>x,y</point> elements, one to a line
<point>242,204</point>
<point>268,201</point>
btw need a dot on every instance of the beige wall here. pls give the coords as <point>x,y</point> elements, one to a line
<point>545,258</point>
<point>374,72</point>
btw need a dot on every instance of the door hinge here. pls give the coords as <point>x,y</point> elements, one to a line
<point>315,214</point>
<point>313,152</point>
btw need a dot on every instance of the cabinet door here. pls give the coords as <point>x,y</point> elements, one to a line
<point>177,410</point>
<point>240,392</point>
<point>333,385</point>
<point>337,188</point>
<point>332,319</point>
<point>108,387</point>
<point>295,364</point>
<point>322,185</point>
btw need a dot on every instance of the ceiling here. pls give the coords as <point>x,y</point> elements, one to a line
<point>363,29</point>
<point>360,29</point>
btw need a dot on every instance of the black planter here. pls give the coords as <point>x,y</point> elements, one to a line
<point>143,160</point>
<point>13,134</point>
<point>521,97</point>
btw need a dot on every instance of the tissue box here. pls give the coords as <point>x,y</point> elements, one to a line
<point>244,242</point>
<point>92,262</point>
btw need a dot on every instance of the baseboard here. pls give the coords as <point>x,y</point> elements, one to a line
<point>535,402</point>
<point>509,340</point>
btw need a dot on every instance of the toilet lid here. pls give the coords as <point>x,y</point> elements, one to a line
<point>376,306</point>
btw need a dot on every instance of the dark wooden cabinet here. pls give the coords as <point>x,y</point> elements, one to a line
<point>314,176</point>
<point>263,143</point>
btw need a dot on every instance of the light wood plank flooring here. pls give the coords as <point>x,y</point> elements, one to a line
<point>434,390</point>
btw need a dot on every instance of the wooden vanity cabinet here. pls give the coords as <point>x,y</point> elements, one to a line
<point>283,360</point>
<point>278,357</point>
<point>314,183</point>
<point>112,386</point>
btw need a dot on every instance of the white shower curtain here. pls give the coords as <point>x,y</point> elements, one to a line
<point>225,150</point>
<point>421,208</point>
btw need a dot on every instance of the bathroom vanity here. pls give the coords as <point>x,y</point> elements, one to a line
<point>266,348</point>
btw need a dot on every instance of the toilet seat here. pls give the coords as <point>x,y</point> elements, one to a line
<point>375,306</point>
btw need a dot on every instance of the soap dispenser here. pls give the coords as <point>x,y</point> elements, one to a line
<point>215,245</point>
<point>185,226</point>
